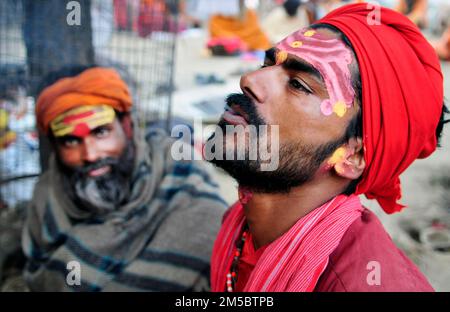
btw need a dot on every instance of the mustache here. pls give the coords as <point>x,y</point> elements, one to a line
<point>107,161</point>
<point>248,107</point>
<point>119,165</point>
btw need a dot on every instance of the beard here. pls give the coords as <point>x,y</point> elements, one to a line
<point>103,194</point>
<point>298,162</point>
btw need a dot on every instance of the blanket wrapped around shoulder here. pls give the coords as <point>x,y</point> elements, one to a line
<point>160,240</point>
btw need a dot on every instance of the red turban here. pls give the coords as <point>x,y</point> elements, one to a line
<point>95,86</point>
<point>402,95</point>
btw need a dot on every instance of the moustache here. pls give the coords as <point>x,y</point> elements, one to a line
<point>245,104</point>
<point>107,161</point>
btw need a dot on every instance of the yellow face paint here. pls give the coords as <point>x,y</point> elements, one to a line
<point>81,120</point>
<point>281,57</point>
<point>337,156</point>
<point>296,44</point>
<point>339,169</point>
<point>332,58</point>
<point>339,108</point>
<point>309,33</point>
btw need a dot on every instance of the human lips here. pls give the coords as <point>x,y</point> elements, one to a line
<point>235,115</point>
<point>99,171</point>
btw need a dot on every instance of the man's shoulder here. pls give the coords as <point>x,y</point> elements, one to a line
<point>192,227</point>
<point>41,188</point>
<point>367,259</point>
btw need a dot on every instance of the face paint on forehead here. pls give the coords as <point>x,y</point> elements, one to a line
<point>81,120</point>
<point>331,58</point>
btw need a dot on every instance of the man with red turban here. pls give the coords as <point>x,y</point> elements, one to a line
<point>355,101</point>
<point>114,211</point>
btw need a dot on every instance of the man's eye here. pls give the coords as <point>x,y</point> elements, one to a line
<point>101,132</point>
<point>70,142</point>
<point>298,85</point>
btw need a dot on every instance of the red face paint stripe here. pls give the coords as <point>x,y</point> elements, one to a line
<point>71,118</point>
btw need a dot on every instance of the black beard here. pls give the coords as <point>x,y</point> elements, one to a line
<point>105,193</point>
<point>298,163</point>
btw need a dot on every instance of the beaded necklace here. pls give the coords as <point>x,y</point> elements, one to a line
<point>244,197</point>
<point>232,274</point>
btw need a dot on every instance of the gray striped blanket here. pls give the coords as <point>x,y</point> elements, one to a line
<point>160,240</point>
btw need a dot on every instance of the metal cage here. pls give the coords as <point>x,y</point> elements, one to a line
<point>39,37</point>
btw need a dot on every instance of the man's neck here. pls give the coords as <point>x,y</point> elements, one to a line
<point>271,215</point>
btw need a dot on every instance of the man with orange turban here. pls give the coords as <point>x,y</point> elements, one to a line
<point>355,101</point>
<point>114,211</point>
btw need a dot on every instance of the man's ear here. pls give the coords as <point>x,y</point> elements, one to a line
<point>127,125</point>
<point>352,164</point>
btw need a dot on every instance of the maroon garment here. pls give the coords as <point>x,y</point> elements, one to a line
<point>247,262</point>
<point>366,240</point>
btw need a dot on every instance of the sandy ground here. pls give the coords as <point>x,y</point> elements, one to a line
<point>422,197</point>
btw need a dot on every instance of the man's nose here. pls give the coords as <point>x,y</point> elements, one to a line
<point>90,150</point>
<point>255,85</point>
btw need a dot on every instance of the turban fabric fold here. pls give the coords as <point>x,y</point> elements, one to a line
<point>95,86</point>
<point>402,95</point>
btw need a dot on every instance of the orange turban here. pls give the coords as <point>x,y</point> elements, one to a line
<point>94,86</point>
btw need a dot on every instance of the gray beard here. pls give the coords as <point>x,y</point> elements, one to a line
<point>104,194</point>
<point>101,196</point>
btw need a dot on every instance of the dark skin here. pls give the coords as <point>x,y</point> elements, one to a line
<point>289,95</point>
<point>108,140</point>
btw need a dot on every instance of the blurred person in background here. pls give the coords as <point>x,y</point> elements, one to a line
<point>240,23</point>
<point>442,46</point>
<point>285,19</point>
<point>415,10</point>
<point>319,8</point>
<point>114,201</point>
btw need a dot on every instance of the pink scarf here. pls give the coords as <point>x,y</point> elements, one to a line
<point>295,260</point>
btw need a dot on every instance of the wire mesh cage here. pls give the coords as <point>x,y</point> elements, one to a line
<point>39,38</point>
<point>19,155</point>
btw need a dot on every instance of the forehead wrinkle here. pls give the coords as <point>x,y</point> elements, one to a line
<point>298,64</point>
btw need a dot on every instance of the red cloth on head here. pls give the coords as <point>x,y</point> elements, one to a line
<point>402,95</point>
